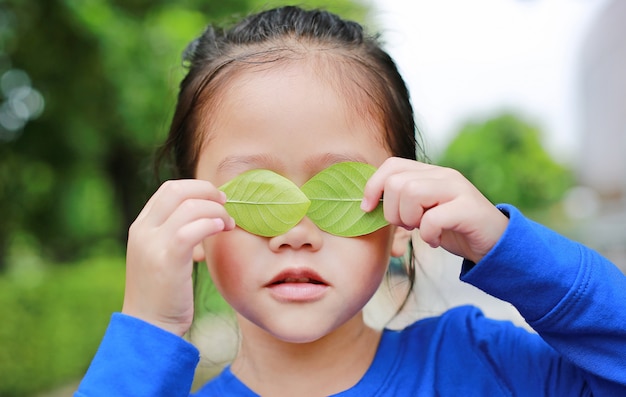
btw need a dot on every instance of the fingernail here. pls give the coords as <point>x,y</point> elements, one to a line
<point>223,197</point>
<point>365,205</point>
<point>219,222</point>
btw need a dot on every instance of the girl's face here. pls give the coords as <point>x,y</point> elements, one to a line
<point>304,284</point>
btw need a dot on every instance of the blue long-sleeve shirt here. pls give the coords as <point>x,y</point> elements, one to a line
<point>574,298</point>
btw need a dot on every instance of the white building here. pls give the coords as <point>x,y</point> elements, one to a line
<point>601,164</point>
<point>602,161</point>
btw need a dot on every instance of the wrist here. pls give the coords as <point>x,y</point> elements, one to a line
<point>493,232</point>
<point>177,327</point>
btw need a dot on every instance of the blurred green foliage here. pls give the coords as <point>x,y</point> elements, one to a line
<point>53,319</point>
<point>504,158</point>
<point>206,298</point>
<point>77,174</point>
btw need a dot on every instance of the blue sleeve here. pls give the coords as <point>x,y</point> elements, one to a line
<point>138,359</point>
<point>573,297</point>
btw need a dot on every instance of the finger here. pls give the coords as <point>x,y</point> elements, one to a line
<point>434,221</point>
<point>191,234</point>
<point>375,186</point>
<point>408,194</point>
<point>192,210</point>
<point>395,192</point>
<point>411,206</point>
<point>184,230</point>
<point>172,193</point>
<point>451,227</point>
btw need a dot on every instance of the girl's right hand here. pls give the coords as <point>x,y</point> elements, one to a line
<point>161,242</point>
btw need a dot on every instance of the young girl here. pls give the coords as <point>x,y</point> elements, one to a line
<point>294,92</point>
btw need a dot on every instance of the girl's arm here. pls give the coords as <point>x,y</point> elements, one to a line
<point>137,359</point>
<point>574,298</point>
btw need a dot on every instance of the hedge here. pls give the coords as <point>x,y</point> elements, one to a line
<point>52,320</point>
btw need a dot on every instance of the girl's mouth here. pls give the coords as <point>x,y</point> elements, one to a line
<point>299,285</point>
<point>290,280</point>
<point>297,276</point>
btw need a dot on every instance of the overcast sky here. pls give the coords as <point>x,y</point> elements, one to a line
<point>463,58</point>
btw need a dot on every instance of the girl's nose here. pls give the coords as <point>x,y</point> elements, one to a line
<point>305,235</point>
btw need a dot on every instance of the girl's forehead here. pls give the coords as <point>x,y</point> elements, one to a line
<point>286,117</point>
<point>312,83</point>
<point>295,97</point>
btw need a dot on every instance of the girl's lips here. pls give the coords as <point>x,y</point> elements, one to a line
<point>297,286</point>
<point>297,275</point>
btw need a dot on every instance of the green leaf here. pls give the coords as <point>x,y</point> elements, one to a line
<point>336,194</point>
<point>265,203</point>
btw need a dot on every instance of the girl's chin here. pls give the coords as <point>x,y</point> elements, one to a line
<point>307,330</point>
<point>300,323</point>
<point>299,335</point>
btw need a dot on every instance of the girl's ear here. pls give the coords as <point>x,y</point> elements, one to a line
<point>400,242</point>
<point>198,253</point>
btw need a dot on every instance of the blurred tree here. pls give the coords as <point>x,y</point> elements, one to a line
<point>504,158</point>
<point>76,176</point>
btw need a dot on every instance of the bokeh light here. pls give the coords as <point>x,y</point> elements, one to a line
<point>20,103</point>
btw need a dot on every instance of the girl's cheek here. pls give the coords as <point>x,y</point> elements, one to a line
<point>227,252</point>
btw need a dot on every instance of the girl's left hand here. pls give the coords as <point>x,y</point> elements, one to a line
<point>446,208</point>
